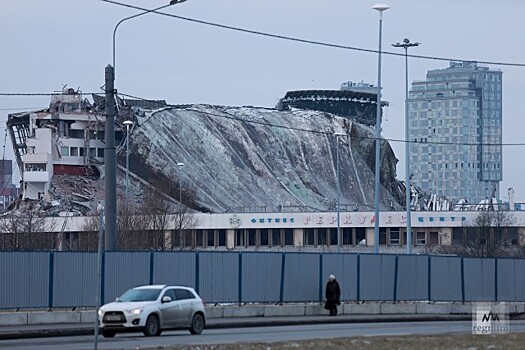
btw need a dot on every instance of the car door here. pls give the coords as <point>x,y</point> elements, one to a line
<point>185,302</point>
<point>169,310</point>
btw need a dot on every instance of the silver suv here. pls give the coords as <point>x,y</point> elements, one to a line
<point>152,309</point>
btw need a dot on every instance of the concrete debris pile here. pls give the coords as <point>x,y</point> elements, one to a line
<point>68,195</point>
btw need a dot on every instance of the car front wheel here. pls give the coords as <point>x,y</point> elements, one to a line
<point>197,324</point>
<point>108,334</point>
<point>152,326</point>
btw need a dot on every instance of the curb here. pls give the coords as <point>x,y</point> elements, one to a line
<point>244,323</point>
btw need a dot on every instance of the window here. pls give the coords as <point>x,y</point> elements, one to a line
<point>420,238</point>
<point>433,238</point>
<point>382,235</point>
<point>333,235</point>
<point>74,151</point>
<point>222,238</point>
<point>240,239</point>
<point>64,151</point>
<point>100,152</point>
<point>309,236</point>
<point>264,236</point>
<point>170,293</point>
<point>360,235</point>
<point>198,238</point>
<point>210,241</point>
<point>321,236</point>
<point>288,236</point>
<point>394,236</point>
<point>276,237</point>
<point>347,236</point>
<point>183,294</point>
<point>252,236</point>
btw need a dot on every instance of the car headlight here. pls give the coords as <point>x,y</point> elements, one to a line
<point>135,311</point>
<point>100,312</point>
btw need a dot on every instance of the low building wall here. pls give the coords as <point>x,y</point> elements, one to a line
<point>35,317</point>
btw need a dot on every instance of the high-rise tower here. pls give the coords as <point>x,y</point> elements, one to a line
<point>455,118</point>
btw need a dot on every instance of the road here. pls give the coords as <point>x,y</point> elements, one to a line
<point>251,334</point>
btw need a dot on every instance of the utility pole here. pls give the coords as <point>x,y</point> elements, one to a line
<point>406,44</point>
<point>110,199</point>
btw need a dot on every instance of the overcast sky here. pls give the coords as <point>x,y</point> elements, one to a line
<point>48,44</point>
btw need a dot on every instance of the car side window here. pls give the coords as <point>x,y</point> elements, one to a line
<point>171,293</point>
<point>183,294</point>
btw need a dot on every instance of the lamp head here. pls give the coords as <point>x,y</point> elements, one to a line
<point>380,7</point>
<point>180,164</point>
<point>173,2</point>
<point>127,122</point>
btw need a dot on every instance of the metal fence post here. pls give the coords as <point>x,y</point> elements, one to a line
<point>51,279</point>
<point>395,277</point>
<point>281,292</point>
<point>151,268</point>
<point>197,269</point>
<point>240,278</point>
<point>320,277</point>
<point>495,279</point>
<point>462,281</point>
<point>429,278</point>
<point>358,277</point>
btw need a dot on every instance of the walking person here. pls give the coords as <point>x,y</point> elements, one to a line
<point>333,295</point>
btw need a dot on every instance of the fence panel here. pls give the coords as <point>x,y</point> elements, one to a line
<point>510,281</point>
<point>446,279</point>
<point>377,277</point>
<point>412,277</point>
<point>344,268</point>
<point>68,279</point>
<point>174,268</point>
<point>301,277</point>
<point>219,277</point>
<point>261,277</point>
<point>75,279</point>
<point>124,270</point>
<point>24,279</point>
<point>480,279</point>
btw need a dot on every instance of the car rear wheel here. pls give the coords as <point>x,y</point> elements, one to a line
<point>197,324</point>
<point>152,326</point>
<point>108,334</point>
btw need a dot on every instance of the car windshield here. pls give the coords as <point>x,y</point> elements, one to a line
<point>142,294</point>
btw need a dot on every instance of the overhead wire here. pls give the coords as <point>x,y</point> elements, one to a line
<point>312,42</point>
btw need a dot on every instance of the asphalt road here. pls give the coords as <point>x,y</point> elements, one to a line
<point>249,334</point>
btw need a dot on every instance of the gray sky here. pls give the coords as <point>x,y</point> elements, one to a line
<point>47,44</point>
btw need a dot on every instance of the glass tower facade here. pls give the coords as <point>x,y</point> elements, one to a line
<point>455,125</point>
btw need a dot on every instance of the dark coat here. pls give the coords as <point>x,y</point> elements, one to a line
<point>333,292</point>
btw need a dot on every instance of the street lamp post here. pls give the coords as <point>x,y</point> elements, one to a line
<point>180,165</point>
<point>128,124</point>
<point>337,136</point>
<point>380,8</point>
<point>172,2</point>
<point>110,183</point>
<point>406,44</point>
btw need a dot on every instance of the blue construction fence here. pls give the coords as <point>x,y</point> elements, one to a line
<point>69,279</point>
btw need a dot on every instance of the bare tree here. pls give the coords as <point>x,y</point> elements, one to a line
<point>490,235</point>
<point>28,232</point>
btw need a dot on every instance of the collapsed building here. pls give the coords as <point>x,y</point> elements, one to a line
<point>237,158</point>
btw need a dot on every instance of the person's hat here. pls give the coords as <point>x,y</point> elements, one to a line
<point>331,277</point>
